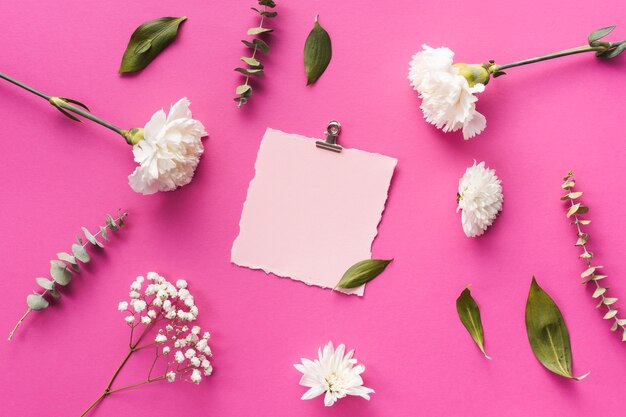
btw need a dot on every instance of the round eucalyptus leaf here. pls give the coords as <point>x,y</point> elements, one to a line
<point>36,302</point>
<point>60,273</point>
<point>45,283</point>
<point>80,253</point>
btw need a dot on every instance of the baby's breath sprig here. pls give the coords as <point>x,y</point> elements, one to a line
<point>589,275</point>
<point>60,269</point>
<point>244,91</point>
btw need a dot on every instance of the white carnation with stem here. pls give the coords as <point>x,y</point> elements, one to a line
<point>448,89</point>
<point>334,374</point>
<point>479,198</point>
<point>154,327</point>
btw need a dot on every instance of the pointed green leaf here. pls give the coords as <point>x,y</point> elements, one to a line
<point>598,292</point>
<point>261,45</point>
<point>247,71</point>
<point>36,302</point>
<point>614,326</point>
<point>111,223</point>
<point>80,253</point>
<point>547,333</point>
<point>600,33</point>
<point>573,209</point>
<point>267,3</point>
<point>259,30</point>
<point>568,184</point>
<point>91,238</point>
<point>317,53</point>
<point>45,283</point>
<point>265,12</point>
<point>362,272</point>
<point>609,300</point>
<point>59,272</point>
<point>104,233</point>
<point>147,41</point>
<point>610,314</point>
<point>469,313</point>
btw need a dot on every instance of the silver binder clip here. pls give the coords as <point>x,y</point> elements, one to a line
<point>332,131</point>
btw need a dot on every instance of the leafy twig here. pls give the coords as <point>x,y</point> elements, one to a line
<point>60,269</point>
<point>589,275</point>
<point>244,91</point>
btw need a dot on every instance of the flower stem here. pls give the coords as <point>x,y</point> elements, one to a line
<point>18,323</point>
<point>580,49</point>
<point>62,103</point>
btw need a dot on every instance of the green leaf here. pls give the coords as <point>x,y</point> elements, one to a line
<point>251,61</point>
<point>91,238</point>
<point>547,333</point>
<point>267,3</point>
<point>36,302</point>
<point>247,71</point>
<point>600,33</point>
<point>64,256</point>
<point>55,293</point>
<point>598,292</point>
<point>244,90</point>
<point>612,53</point>
<point>262,45</point>
<point>45,283</point>
<point>104,233</point>
<point>317,53</point>
<point>362,272</point>
<point>59,272</point>
<point>111,223</point>
<point>259,30</point>
<point>147,41</point>
<point>80,253</point>
<point>265,12</point>
<point>469,313</point>
<point>573,209</point>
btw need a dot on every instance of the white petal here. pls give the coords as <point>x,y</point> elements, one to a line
<point>313,392</point>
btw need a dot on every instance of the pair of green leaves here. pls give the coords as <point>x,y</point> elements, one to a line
<point>362,272</point>
<point>317,53</point>
<point>545,327</point>
<point>608,50</point>
<point>147,41</point>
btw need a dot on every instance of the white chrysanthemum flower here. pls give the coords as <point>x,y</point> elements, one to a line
<point>122,306</point>
<point>448,100</point>
<point>334,374</point>
<point>169,152</point>
<point>479,198</point>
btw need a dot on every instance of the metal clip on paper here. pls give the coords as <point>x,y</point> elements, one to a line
<point>332,131</point>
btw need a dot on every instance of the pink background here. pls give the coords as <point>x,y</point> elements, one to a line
<point>542,121</point>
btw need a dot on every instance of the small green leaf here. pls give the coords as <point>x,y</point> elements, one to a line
<point>80,253</point>
<point>147,41</point>
<point>79,240</point>
<point>608,301</point>
<point>45,283</point>
<point>598,292</point>
<point>600,33</point>
<point>568,184</point>
<point>469,313</point>
<point>104,233</point>
<point>265,12</point>
<point>91,238</point>
<point>251,61</point>
<point>262,45</point>
<point>610,314</point>
<point>36,302</point>
<point>59,272</point>
<point>573,209</point>
<point>547,332</point>
<point>111,223</point>
<point>317,53</point>
<point>612,53</point>
<point>244,90</point>
<point>267,3</point>
<point>55,293</point>
<point>259,30</point>
<point>362,272</point>
<point>247,71</point>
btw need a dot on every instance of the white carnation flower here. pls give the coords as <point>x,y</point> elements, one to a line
<point>169,152</point>
<point>479,199</point>
<point>448,100</point>
<point>334,374</point>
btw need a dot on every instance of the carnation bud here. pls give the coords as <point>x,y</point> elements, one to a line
<point>473,73</point>
<point>133,136</point>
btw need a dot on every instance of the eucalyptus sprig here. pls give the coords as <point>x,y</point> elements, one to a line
<point>61,268</point>
<point>589,274</point>
<point>255,67</point>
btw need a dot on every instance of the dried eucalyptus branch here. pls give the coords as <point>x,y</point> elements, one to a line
<point>589,275</point>
<point>244,91</point>
<point>60,268</point>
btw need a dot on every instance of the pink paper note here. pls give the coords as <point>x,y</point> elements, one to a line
<point>311,213</point>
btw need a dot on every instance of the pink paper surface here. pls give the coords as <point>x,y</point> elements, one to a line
<point>311,213</point>
<point>543,120</point>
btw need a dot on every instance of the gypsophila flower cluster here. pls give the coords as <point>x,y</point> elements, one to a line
<point>170,308</point>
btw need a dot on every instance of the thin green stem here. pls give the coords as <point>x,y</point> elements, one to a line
<point>24,86</point>
<point>580,49</point>
<point>90,116</point>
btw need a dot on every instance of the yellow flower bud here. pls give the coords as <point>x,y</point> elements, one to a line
<point>133,136</point>
<point>473,73</point>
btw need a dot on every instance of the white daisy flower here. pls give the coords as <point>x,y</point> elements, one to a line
<point>334,374</point>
